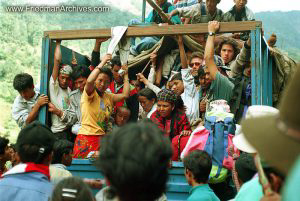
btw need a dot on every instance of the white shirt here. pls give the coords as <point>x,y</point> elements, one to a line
<point>190,95</point>
<point>60,98</point>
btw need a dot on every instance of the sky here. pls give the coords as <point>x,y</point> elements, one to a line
<point>225,5</point>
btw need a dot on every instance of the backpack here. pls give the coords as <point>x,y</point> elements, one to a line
<point>217,146</point>
<point>216,139</point>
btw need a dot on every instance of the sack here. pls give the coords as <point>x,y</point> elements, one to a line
<point>282,72</point>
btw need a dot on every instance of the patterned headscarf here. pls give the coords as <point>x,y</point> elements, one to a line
<point>66,69</point>
<point>167,95</point>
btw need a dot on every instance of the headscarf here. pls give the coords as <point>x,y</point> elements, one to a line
<point>66,69</point>
<point>167,95</point>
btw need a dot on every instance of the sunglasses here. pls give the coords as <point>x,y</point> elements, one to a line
<point>196,63</point>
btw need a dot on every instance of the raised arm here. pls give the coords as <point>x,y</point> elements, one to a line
<point>242,59</point>
<point>182,52</point>
<point>213,27</point>
<point>57,60</point>
<point>90,83</point>
<point>96,51</point>
<point>126,88</point>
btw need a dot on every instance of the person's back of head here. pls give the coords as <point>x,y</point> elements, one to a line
<point>245,168</point>
<point>72,189</point>
<point>140,173</point>
<point>35,144</point>
<point>199,164</point>
<point>62,151</point>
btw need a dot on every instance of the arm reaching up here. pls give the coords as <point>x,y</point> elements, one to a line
<point>126,88</point>
<point>57,60</point>
<point>182,52</point>
<point>89,87</point>
<point>213,27</point>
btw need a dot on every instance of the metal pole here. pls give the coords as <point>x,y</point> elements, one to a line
<point>44,77</point>
<point>143,11</point>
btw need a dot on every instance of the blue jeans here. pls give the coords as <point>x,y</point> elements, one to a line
<point>145,44</point>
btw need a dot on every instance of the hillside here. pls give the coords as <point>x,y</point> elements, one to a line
<point>286,26</point>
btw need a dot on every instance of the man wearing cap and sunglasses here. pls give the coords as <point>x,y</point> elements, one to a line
<point>29,180</point>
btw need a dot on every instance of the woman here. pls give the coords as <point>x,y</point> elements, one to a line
<point>170,115</point>
<point>96,108</point>
<point>147,99</point>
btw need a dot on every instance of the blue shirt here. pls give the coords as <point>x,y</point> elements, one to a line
<point>202,193</point>
<point>291,188</point>
<point>32,186</point>
<point>250,191</point>
<point>175,19</point>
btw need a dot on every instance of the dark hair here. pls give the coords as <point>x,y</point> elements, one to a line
<point>196,55</point>
<point>60,148</point>
<point>201,72</point>
<point>115,61</point>
<point>148,93</point>
<point>35,143</point>
<point>22,81</point>
<point>83,192</point>
<point>3,144</point>
<point>107,71</point>
<point>200,164</point>
<point>80,71</point>
<point>228,41</point>
<point>30,153</point>
<point>177,76</point>
<point>139,174</point>
<point>245,167</point>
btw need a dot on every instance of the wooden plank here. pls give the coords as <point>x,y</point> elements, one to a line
<point>154,30</point>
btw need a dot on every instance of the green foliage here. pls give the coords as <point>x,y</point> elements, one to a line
<point>286,26</point>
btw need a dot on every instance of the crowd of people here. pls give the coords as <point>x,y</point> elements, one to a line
<point>136,127</point>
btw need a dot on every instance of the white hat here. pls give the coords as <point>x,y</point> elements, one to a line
<point>239,139</point>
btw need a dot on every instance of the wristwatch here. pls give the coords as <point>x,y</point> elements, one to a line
<point>211,33</point>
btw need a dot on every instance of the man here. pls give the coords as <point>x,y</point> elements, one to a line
<point>72,115</point>
<point>241,72</point>
<point>201,12</point>
<point>196,62</point>
<point>143,173</point>
<point>116,87</point>
<point>62,158</point>
<point>29,180</point>
<point>221,86</point>
<point>153,17</point>
<point>26,106</point>
<point>239,12</point>
<point>5,154</point>
<point>197,167</point>
<point>228,50</point>
<point>59,96</point>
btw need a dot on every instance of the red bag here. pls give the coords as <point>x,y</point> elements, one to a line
<point>178,144</point>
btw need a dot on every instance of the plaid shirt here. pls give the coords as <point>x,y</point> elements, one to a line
<point>181,123</point>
